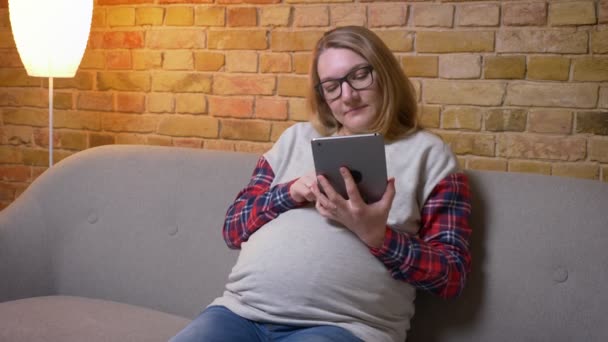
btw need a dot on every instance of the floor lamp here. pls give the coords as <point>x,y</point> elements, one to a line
<point>51,36</point>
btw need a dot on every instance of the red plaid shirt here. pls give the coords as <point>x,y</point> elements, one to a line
<point>437,259</point>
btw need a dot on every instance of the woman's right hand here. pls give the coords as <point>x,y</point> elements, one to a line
<point>301,189</point>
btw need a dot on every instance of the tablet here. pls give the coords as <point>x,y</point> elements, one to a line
<point>364,156</point>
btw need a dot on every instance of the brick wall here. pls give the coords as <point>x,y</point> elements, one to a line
<point>516,86</point>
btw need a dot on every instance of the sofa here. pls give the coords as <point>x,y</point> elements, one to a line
<point>123,243</point>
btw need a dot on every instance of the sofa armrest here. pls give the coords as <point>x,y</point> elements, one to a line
<point>25,266</point>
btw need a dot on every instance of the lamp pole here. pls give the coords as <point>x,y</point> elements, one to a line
<point>50,121</point>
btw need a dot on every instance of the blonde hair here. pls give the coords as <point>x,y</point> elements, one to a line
<point>398,115</point>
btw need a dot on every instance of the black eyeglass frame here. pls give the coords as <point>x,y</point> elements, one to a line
<point>341,80</point>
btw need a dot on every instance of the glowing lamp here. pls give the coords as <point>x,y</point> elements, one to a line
<point>51,36</point>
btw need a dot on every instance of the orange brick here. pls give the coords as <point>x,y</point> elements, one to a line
<point>101,139</point>
<point>429,116</point>
<point>161,102</point>
<point>520,14</point>
<point>349,14</point>
<point>219,145</point>
<point>124,2</point>
<point>178,60</point>
<point>146,59</point>
<point>387,14</point>
<point>208,61</point>
<point>470,143</point>
<point>129,81</point>
<point>130,103</point>
<point>190,103</point>
<point>78,119</point>
<point>179,16</point>
<point>241,61</point>
<point>123,40</point>
<point>576,170</point>
<point>184,82</point>
<point>209,16</point>
<point>175,39</point>
<point>592,122</point>
<point>293,86</point>
<point>188,142</point>
<point>93,60</point>
<point>17,78</point>
<point>95,101</point>
<point>245,130</point>
<point>569,148</point>
<point>10,155</point>
<point>294,41</point>
<point>275,62</point>
<point>298,109</point>
<point>231,107</point>
<point>572,13</point>
<point>275,16</point>
<point>10,59</point>
<point>242,16</point>
<point>238,40</point>
<point>528,166</point>
<point>159,141</point>
<point>189,126</point>
<point>99,18</point>
<point>121,16</point>
<point>149,16</point>
<point>117,122</point>
<point>252,147</point>
<point>243,85</point>
<point>420,66</point>
<point>270,108</point>
<point>455,41</point>
<point>487,164</point>
<point>433,15</point>
<point>301,62</point>
<point>590,69</point>
<point>16,173</point>
<point>478,15</point>
<point>397,40</point>
<point>118,59</point>
<point>602,19</point>
<point>129,139</point>
<point>542,41</point>
<point>82,81</point>
<point>17,135</point>
<point>311,16</point>
<point>550,121</point>
<point>185,1</point>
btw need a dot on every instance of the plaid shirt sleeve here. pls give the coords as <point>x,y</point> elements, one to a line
<point>438,258</point>
<point>255,205</point>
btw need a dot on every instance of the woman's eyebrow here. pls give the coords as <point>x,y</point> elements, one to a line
<point>356,66</point>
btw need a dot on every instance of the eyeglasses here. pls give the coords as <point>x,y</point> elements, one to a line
<point>357,79</point>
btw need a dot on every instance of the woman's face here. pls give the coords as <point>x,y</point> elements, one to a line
<point>354,109</point>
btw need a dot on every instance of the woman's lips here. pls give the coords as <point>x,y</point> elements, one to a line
<point>354,109</point>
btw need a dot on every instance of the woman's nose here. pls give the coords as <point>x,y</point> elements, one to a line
<point>348,92</point>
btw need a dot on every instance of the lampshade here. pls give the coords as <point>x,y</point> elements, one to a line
<point>51,35</point>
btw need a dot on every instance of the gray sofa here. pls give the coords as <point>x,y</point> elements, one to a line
<point>123,243</point>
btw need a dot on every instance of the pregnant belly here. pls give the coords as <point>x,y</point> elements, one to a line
<point>300,265</point>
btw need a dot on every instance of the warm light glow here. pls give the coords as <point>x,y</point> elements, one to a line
<point>51,35</point>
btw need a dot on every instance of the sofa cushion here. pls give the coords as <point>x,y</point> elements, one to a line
<point>63,318</point>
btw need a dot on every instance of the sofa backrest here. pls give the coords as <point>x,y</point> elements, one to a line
<point>540,264</point>
<point>142,225</point>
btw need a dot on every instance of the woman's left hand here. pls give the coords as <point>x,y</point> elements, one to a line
<point>367,221</point>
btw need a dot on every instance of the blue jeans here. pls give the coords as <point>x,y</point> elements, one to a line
<point>218,324</point>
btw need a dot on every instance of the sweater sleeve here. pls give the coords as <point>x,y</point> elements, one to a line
<point>256,204</point>
<point>438,258</point>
